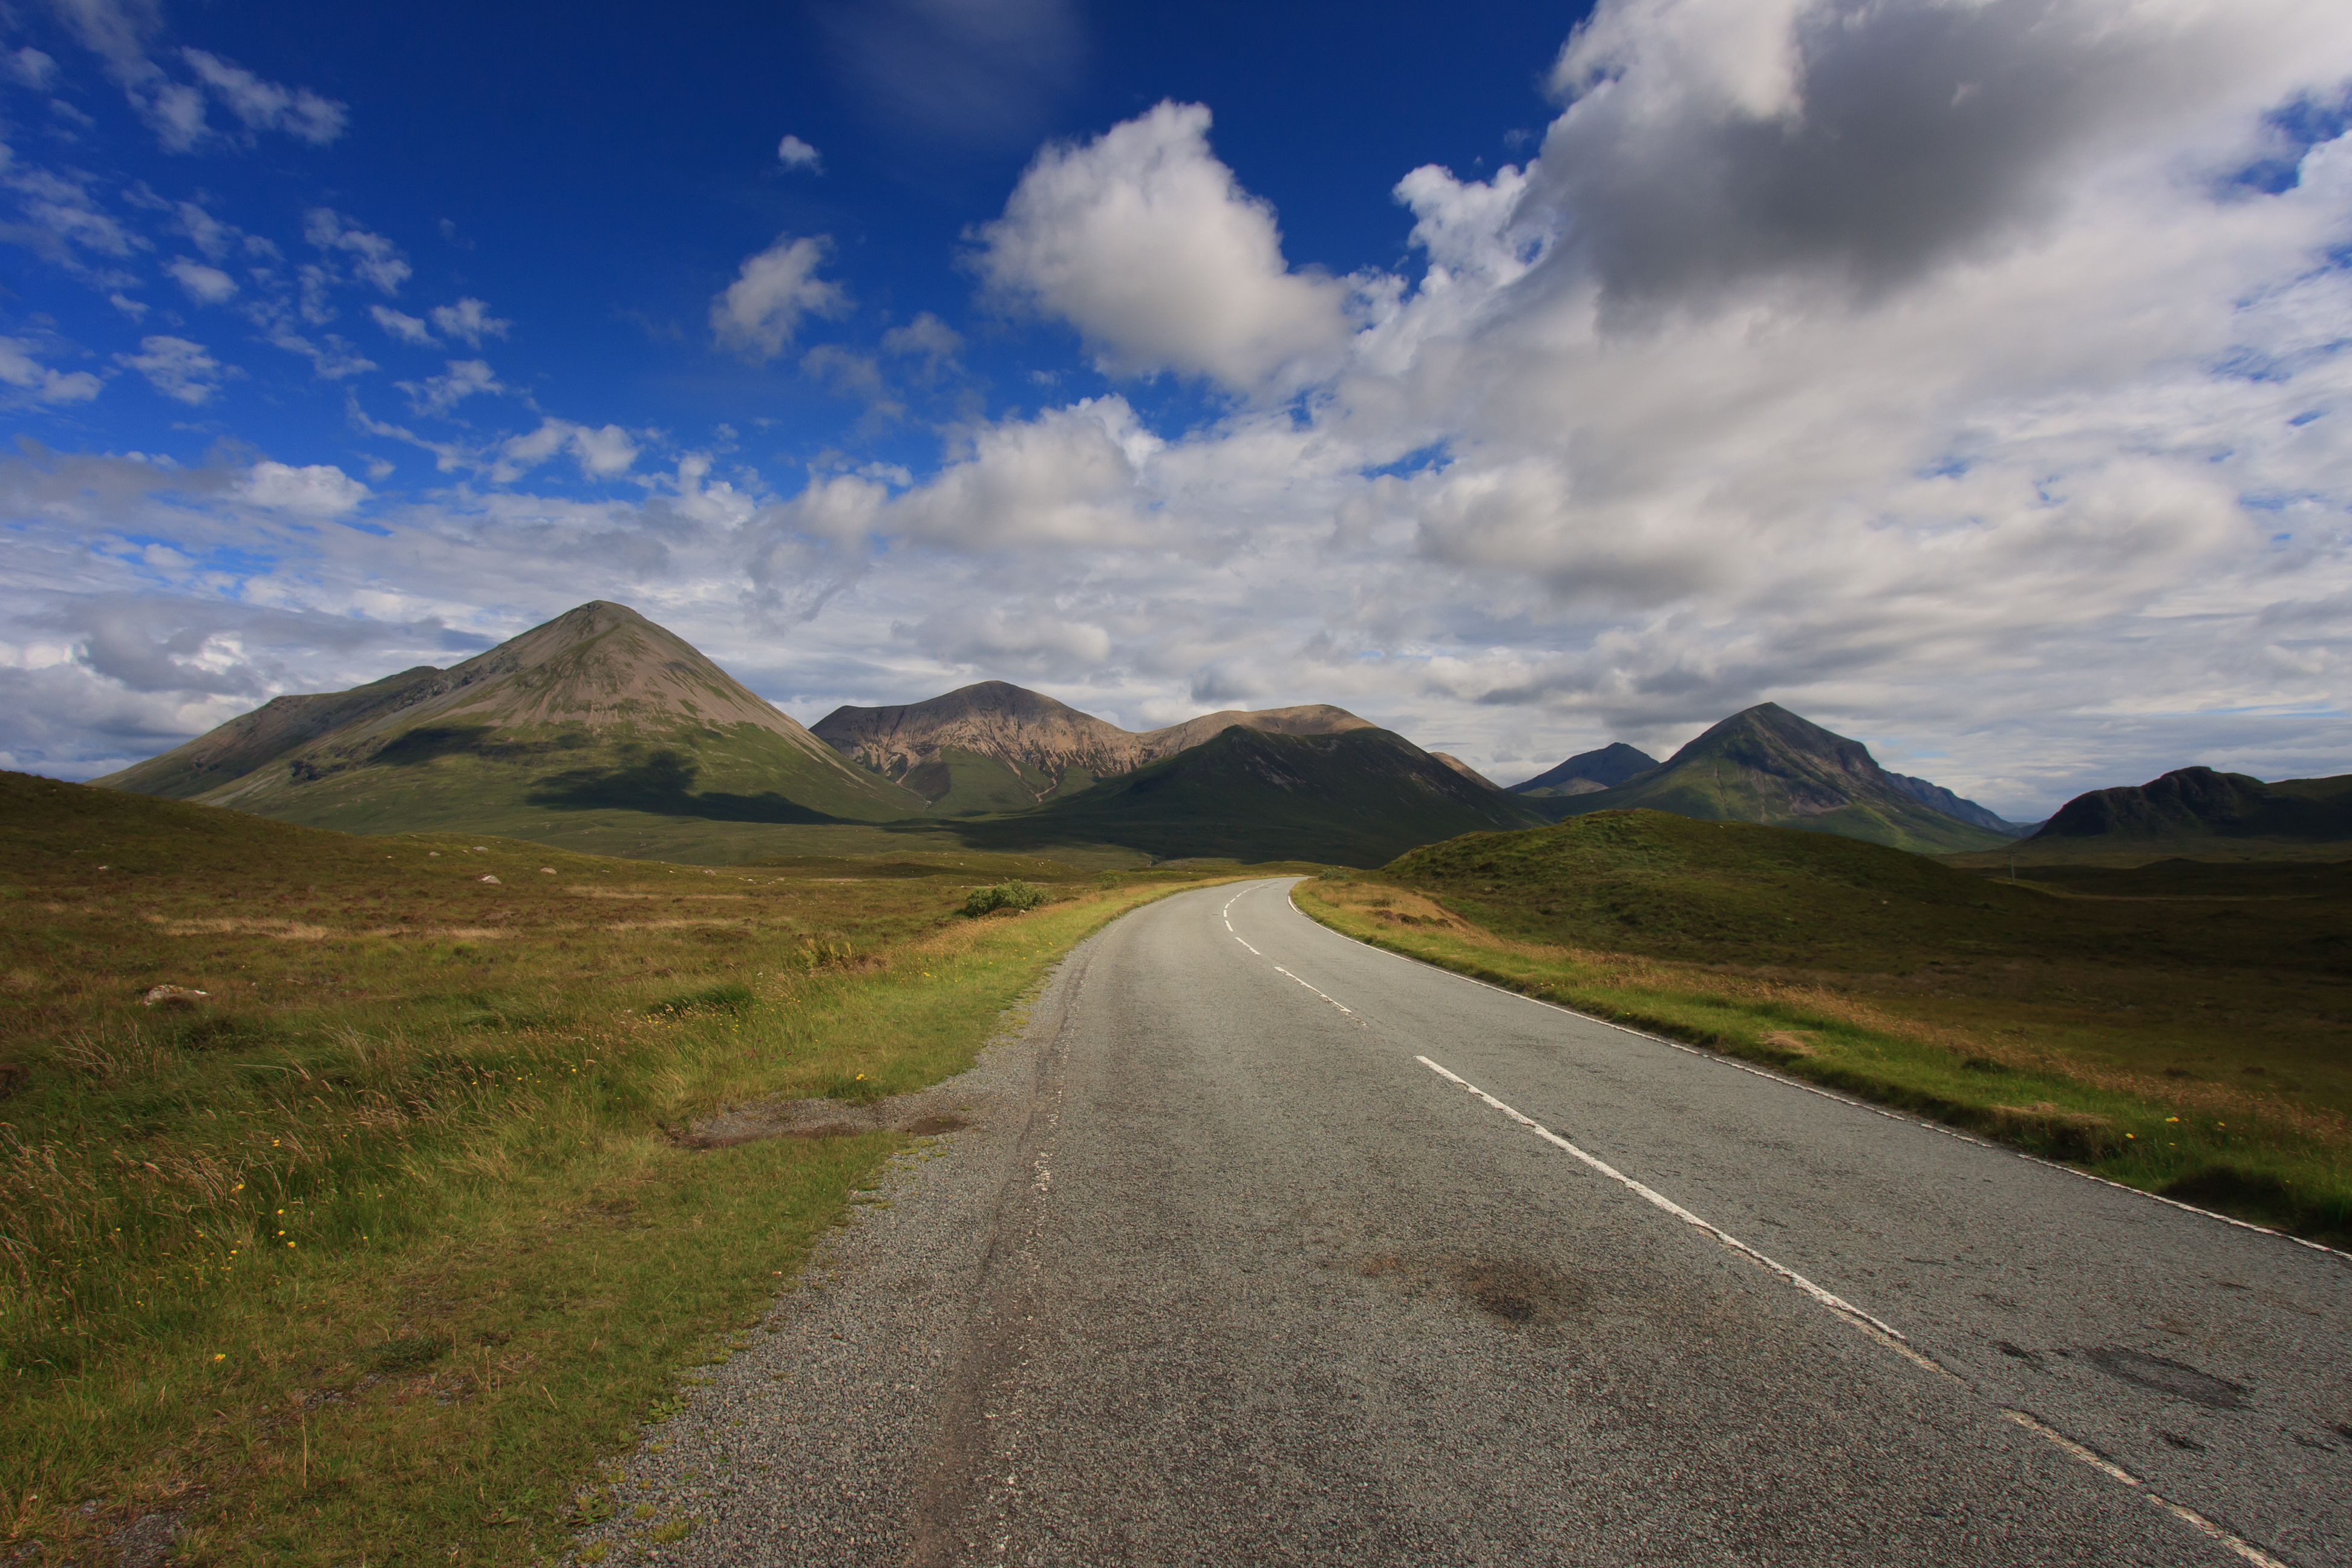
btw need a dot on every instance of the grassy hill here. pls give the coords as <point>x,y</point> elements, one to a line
<point>1742,893</point>
<point>2190,815</point>
<point>1768,765</point>
<point>599,729</point>
<point>1357,799</point>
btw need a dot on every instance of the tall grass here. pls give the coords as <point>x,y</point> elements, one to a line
<point>377,1248</point>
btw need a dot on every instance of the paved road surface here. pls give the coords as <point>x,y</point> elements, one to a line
<point>1236,1267</point>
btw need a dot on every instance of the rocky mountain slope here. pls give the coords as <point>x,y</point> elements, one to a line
<point>995,746</point>
<point>1958,806</point>
<point>599,708</point>
<point>1767,764</point>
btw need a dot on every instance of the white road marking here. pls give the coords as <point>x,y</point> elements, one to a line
<point>1720,1059</point>
<point>2181,1511</point>
<point>1324,994</point>
<point>1837,1304</point>
<point>1885,1333</point>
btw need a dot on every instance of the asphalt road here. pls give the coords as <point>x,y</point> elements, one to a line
<point>1266,1246</point>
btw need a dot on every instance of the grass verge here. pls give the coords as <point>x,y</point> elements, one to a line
<point>374,1246</point>
<point>2259,1156</point>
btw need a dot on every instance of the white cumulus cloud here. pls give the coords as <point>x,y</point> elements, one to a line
<point>756,315</point>
<point>179,370</point>
<point>1149,245</point>
<point>373,258</point>
<point>37,383</point>
<point>440,393</point>
<point>794,154</point>
<point>407,328</point>
<point>204,285</point>
<point>602,452</point>
<point>263,105</point>
<point>469,321</point>
<point>316,489</point>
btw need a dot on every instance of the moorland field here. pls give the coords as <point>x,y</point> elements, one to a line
<point>396,1234</point>
<point>387,1238</point>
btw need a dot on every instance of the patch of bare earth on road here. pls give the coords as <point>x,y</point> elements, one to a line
<point>926,1114</point>
<point>1517,1291</point>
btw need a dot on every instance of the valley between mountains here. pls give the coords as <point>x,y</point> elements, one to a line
<point>1257,1130</point>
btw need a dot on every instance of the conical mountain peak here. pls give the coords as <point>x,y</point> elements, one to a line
<point>598,706</point>
<point>1767,764</point>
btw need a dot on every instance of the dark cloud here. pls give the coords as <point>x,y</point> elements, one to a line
<point>1905,136</point>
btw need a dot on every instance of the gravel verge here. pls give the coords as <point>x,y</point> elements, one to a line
<point>817,1440</point>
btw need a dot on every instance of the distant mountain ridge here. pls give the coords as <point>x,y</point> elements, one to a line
<point>995,746</point>
<point>1587,772</point>
<point>1767,764</point>
<point>2198,802</point>
<point>1951,805</point>
<point>1359,797</point>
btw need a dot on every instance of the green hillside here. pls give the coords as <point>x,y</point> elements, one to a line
<point>1738,893</point>
<point>2190,815</point>
<point>1768,765</point>
<point>1357,799</point>
<point>598,730</point>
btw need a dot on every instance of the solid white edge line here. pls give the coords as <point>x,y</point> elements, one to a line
<point>1721,1060</point>
<point>1837,1304</point>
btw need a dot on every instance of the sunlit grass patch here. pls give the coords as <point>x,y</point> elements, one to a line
<point>383,1240</point>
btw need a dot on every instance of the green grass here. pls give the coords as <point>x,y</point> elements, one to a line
<point>379,1247</point>
<point>2182,1031</point>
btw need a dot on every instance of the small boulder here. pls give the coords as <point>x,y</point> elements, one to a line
<point>173,996</point>
<point>547,870</point>
<point>492,881</point>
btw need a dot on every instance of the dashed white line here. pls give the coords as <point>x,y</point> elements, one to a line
<point>1720,1059</point>
<point>2181,1511</point>
<point>1884,1333</point>
<point>1837,1304</point>
<point>1324,994</point>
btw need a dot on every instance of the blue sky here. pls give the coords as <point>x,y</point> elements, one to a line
<point>1967,377</point>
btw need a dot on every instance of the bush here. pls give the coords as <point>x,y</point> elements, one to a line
<point>1014,895</point>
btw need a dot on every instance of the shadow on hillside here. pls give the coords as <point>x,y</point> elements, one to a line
<point>662,783</point>
<point>426,743</point>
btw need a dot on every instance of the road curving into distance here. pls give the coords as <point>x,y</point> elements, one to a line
<point>1267,1247</point>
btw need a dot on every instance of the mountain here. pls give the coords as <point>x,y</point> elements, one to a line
<point>2199,803</point>
<point>1769,765</point>
<point>1951,805</point>
<point>1360,798</point>
<point>1465,769</point>
<point>1586,772</point>
<point>599,710</point>
<point>997,747</point>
